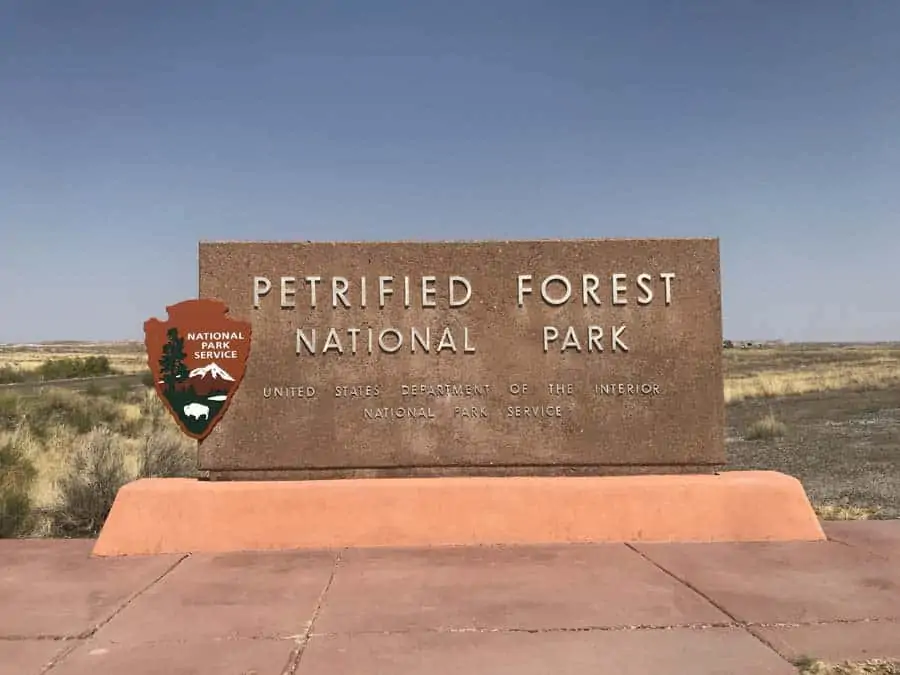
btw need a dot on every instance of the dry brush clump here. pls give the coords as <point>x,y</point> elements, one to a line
<point>83,447</point>
<point>766,428</point>
<point>808,666</point>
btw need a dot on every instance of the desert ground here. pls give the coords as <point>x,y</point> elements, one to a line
<point>827,414</point>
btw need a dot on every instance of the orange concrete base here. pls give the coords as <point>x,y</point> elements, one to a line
<point>172,515</point>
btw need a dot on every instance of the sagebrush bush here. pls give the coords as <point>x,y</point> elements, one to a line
<point>88,487</point>
<point>17,476</point>
<point>166,453</point>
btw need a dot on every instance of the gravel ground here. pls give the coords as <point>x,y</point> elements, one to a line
<point>843,446</point>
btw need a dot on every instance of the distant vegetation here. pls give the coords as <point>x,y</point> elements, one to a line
<point>64,455</point>
<point>59,369</point>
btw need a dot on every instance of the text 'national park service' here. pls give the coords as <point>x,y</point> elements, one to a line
<point>452,293</point>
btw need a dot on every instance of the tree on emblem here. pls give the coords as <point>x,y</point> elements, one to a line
<point>171,363</point>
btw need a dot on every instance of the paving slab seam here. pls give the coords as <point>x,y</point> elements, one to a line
<point>718,606</point>
<point>84,635</point>
<point>37,638</point>
<point>829,622</point>
<point>537,631</point>
<point>302,640</point>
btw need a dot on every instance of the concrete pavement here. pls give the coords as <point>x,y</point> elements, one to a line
<point>608,608</point>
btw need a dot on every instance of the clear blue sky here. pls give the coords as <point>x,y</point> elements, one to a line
<point>131,130</point>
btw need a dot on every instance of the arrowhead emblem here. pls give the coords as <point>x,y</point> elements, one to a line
<point>198,358</point>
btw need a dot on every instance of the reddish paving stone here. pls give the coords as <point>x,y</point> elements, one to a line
<point>878,536</point>
<point>624,652</point>
<point>519,587</point>
<point>247,595</point>
<point>28,657</point>
<point>220,657</point>
<point>54,587</point>
<point>835,641</point>
<point>786,582</point>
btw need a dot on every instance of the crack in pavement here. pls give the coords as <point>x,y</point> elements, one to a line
<point>717,605</point>
<point>84,635</point>
<point>302,640</point>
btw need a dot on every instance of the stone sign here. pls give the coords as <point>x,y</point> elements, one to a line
<point>475,358</point>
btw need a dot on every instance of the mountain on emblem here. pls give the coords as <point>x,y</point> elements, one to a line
<point>198,359</point>
<point>214,370</point>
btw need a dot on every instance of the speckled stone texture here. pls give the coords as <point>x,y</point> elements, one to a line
<point>513,407</point>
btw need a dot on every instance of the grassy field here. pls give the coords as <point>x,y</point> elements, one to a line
<point>125,357</point>
<point>829,415</point>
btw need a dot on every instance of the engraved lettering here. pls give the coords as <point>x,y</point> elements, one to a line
<point>534,411</point>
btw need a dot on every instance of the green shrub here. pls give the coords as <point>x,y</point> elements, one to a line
<point>147,380</point>
<point>17,475</point>
<point>10,411</point>
<point>10,375</point>
<point>71,408</point>
<point>89,486</point>
<point>74,367</point>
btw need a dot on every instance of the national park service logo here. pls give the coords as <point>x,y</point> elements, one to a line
<point>197,358</point>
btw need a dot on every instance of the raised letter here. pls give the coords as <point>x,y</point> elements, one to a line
<point>447,341</point>
<point>396,334</point>
<point>339,286</point>
<point>571,340</point>
<point>333,342</point>
<point>288,291</point>
<point>523,290</point>
<point>642,281</point>
<point>261,287</point>
<point>312,281</point>
<point>384,289</point>
<point>551,334</point>
<point>589,284</point>
<point>302,340</point>
<point>616,342</point>
<point>428,292</point>
<point>667,277</point>
<point>561,279</point>
<point>595,338</point>
<point>619,288</point>
<point>454,302</point>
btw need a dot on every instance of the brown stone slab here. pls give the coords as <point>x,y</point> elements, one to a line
<point>169,515</point>
<point>210,657</point>
<point>502,588</point>
<point>627,652</point>
<point>242,595</point>
<point>54,587</point>
<point>29,657</point>
<point>835,641</point>
<point>879,536</point>
<point>503,396</point>
<point>786,582</point>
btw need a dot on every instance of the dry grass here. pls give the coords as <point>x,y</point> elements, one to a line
<point>789,370</point>
<point>126,357</point>
<point>846,512</point>
<point>766,428</point>
<point>870,667</point>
